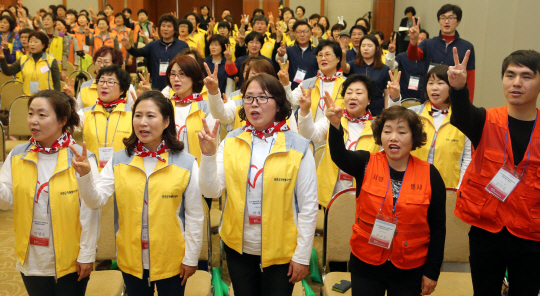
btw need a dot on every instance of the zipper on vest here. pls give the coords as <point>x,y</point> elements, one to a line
<point>147,229</point>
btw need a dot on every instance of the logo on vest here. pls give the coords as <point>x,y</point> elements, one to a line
<point>169,196</point>
<point>69,192</point>
<point>124,132</point>
<point>257,174</point>
<point>378,178</point>
<point>282,180</point>
<point>452,140</point>
<point>416,186</point>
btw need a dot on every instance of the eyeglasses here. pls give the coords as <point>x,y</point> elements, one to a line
<point>259,99</point>
<point>305,32</point>
<point>444,19</point>
<point>181,75</point>
<point>110,83</point>
<point>325,55</point>
<point>102,62</point>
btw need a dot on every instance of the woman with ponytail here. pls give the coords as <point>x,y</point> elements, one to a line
<point>55,232</point>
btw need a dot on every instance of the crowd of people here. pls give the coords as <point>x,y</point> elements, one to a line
<point>227,103</point>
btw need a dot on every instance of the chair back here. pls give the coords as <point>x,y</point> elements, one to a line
<point>410,102</point>
<point>319,152</point>
<point>338,224</point>
<point>107,237</point>
<point>4,78</point>
<point>91,69</point>
<point>2,144</point>
<point>18,112</point>
<point>10,91</point>
<point>70,68</point>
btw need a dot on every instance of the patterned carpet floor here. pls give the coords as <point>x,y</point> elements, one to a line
<point>10,279</point>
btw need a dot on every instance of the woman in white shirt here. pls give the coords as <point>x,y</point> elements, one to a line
<point>55,233</point>
<point>269,217</point>
<point>159,217</point>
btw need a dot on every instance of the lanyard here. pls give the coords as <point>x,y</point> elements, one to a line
<point>107,129</point>
<point>528,146</point>
<point>388,187</point>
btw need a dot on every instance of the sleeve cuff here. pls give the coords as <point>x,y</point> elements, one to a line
<point>87,256</point>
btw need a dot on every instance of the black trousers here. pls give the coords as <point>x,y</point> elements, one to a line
<point>375,280</point>
<point>47,286</point>
<point>247,278</point>
<point>166,287</point>
<point>492,253</point>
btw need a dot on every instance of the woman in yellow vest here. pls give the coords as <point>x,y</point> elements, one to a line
<point>39,70</point>
<point>73,44</point>
<point>357,92</point>
<point>58,46</point>
<point>87,96</point>
<point>268,222</point>
<point>108,121</point>
<point>120,30</point>
<point>55,233</point>
<point>447,148</point>
<point>158,201</point>
<point>103,38</point>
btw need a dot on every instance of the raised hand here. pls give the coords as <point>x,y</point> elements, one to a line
<point>344,45</point>
<point>241,37</point>
<point>80,162</point>
<point>282,50</point>
<point>225,100</point>
<point>392,45</point>
<point>173,13</point>
<point>270,18</point>
<point>125,41</point>
<point>211,25</point>
<point>130,61</point>
<point>5,44</point>
<point>87,31</point>
<point>283,74</point>
<point>227,53</point>
<point>144,84</point>
<point>279,32</point>
<point>333,112</point>
<point>69,88</point>
<point>305,101</point>
<point>156,34</point>
<point>195,9</point>
<point>457,75</point>
<point>211,80</point>
<point>414,31</point>
<point>208,140</point>
<point>133,96</point>
<point>244,19</point>
<point>393,86</point>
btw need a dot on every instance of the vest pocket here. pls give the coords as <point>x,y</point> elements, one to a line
<point>473,199</point>
<point>535,220</point>
<point>414,250</point>
<point>491,163</point>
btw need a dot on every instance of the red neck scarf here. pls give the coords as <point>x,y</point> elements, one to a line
<point>62,142</point>
<point>364,118</point>
<point>329,78</point>
<point>188,99</point>
<point>142,151</point>
<point>112,104</point>
<point>274,127</point>
<point>436,111</point>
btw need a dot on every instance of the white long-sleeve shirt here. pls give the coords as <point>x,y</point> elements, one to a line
<point>129,99</point>
<point>40,260</point>
<point>96,194</point>
<point>212,181</point>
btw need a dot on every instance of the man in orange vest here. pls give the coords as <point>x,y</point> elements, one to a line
<point>500,193</point>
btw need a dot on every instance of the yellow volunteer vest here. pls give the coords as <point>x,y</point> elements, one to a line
<point>328,172</point>
<point>166,186</point>
<point>98,130</point>
<point>204,93</point>
<point>268,47</point>
<point>19,54</point>
<point>281,167</point>
<point>449,144</point>
<point>194,125</point>
<point>89,94</point>
<point>40,72</point>
<point>316,93</point>
<point>56,48</point>
<point>64,206</point>
<point>198,37</point>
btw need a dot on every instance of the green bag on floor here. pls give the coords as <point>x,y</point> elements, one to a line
<point>114,265</point>
<point>307,289</point>
<point>220,287</point>
<point>314,267</point>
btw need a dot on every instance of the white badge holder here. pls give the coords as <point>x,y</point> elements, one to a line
<point>105,154</point>
<point>34,87</point>
<point>383,231</point>
<point>255,210</point>
<point>86,49</point>
<point>163,68</point>
<point>413,82</point>
<point>39,235</point>
<point>44,69</point>
<point>300,75</point>
<point>503,183</point>
<point>144,240</point>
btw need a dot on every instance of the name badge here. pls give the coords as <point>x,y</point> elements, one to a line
<point>105,154</point>
<point>163,68</point>
<point>34,86</point>
<point>300,75</point>
<point>503,183</point>
<point>120,45</point>
<point>86,48</point>
<point>383,231</point>
<point>144,240</point>
<point>345,177</point>
<point>146,33</point>
<point>44,69</point>
<point>39,235</point>
<point>254,210</point>
<point>413,82</point>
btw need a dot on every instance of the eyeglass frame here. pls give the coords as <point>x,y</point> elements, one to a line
<point>108,82</point>
<point>449,19</point>
<point>256,98</point>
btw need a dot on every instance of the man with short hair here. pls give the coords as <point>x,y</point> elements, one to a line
<point>160,52</point>
<point>438,50</point>
<point>357,32</point>
<point>260,25</point>
<point>499,196</point>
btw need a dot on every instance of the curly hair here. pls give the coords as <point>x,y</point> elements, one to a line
<point>116,55</point>
<point>419,137</point>
<point>273,87</point>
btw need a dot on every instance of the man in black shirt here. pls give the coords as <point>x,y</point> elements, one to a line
<point>505,215</point>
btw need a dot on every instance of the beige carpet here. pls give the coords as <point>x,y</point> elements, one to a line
<point>10,279</point>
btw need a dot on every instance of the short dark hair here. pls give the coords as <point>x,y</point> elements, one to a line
<point>25,31</point>
<point>197,18</point>
<point>272,86</point>
<point>124,18</point>
<point>116,55</point>
<point>203,6</point>
<point>223,41</point>
<point>260,66</point>
<point>377,32</point>
<point>229,18</point>
<point>224,24</point>
<point>124,80</point>
<point>439,71</point>
<point>523,58</point>
<point>72,11</point>
<point>359,27</point>
<point>142,11</point>
<point>337,27</point>
<point>300,23</point>
<point>185,22</point>
<point>102,14</point>
<point>425,32</point>
<point>365,21</point>
<point>171,19</point>
<point>320,27</point>
<point>302,8</point>
<point>257,18</point>
<point>419,137</point>
<point>258,10</point>
<point>411,10</point>
<point>48,14</point>
<point>68,28</point>
<point>450,7</point>
<point>128,10</point>
<point>366,80</point>
<point>226,9</point>
<point>191,69</point>
<point>63,105</point>
<point>101,19</point>
<point>335,47</point>
<point>42,37</point>
<point>167,111</point>
<point>285,9</point>
<point>314,16</point>
<point>11,21</point>
<point>61,6</point>
<point>377,60</point>
<point>254,35</point>
<point>85,12</point>
<point>247,62</point>
<point>198,56</point>
<point>327,23</point>
<point>108,5</point>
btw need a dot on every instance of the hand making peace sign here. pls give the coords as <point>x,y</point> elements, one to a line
<point>80,162</point>
<point>333,112</point>
<point>393,86</point>
<point>283,74</point>
<point>211,80</point>
<point>208,140</point>
<point>457,75</point>
<point>414,31</point>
